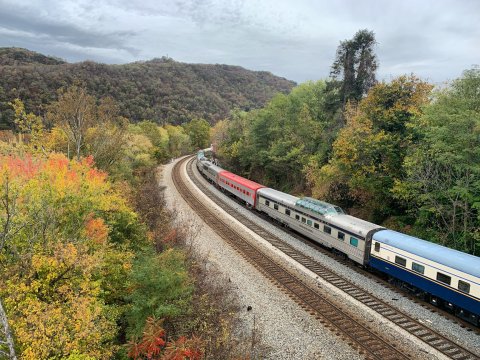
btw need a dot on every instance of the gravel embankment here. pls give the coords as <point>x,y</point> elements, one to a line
<point>292,332</point>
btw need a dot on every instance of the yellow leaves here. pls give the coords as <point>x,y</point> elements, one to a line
<point>353,138</point>
<point>392,105</point>
<point>235,149</point>
<point>27,123</point>
<point>56,140</point>
<point>321,180</point>
<point>53,285</point>
<point>54,308</point>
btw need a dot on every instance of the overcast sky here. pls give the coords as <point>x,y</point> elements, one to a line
<point>296,39</point>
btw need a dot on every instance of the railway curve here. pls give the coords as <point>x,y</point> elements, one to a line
<point>417,329</point>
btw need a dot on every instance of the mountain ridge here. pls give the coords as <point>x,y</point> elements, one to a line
<point>162,89</point>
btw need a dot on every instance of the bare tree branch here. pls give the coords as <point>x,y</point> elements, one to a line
<point>8,335</point>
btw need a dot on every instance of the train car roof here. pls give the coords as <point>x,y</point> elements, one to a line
<point>252,185</point>
<point>279,196</point>
<point>449,257</point>
<point>318,206</point>
<point>352,224</point>
<point>214,167</point>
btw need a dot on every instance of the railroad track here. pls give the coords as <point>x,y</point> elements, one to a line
<point>409,324</point>
<point>358,336</point>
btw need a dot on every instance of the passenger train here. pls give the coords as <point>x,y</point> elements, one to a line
<point>447,278</point>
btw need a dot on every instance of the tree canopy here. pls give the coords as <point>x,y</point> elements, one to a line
<point>442,183</point>
<point>355,65</point>
<point>161,90</point>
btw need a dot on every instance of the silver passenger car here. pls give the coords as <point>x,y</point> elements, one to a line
<point>210,170</point>
<point>356,240</point>
<point>276,204</point>
<point>322,222</point>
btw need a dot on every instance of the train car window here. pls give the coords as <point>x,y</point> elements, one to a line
<point>297,217</point>
<point>463,286</point>
<point>275,206</point>
<point>400,261</point>
<point>377,247</point>
<point>327,229</point>
<point>316,226</point>
<point>353,241</point>
<point>287,212</point>
<point>418,268</point>
<point>304,220</point>
<point>309,222</point>
<point>444,278</point>
<point>267,202</point>
<point>341,236</point>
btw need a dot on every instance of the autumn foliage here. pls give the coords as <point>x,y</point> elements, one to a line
<point>153,345</point>
<point>81,273</point>
<point>56,260</point>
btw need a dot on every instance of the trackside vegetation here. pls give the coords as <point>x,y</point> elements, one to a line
<point>92,264</point>
<point>404,155</point>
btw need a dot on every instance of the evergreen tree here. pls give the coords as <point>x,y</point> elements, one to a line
<point>355,65</point>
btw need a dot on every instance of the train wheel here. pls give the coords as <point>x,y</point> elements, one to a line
<point>434,301</point>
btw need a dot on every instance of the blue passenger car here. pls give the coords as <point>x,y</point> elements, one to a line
<point>449,277</point>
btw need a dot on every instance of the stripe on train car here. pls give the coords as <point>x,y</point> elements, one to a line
<point>461,299</point>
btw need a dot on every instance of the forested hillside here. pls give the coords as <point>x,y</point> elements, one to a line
<point>161,90</point>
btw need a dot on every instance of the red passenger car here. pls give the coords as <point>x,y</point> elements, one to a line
<point>240,187</point>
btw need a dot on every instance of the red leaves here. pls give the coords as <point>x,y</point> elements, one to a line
<point>20,167</point>
<point>183,349</point>
<point>153,343</point>
<point>171,237</point>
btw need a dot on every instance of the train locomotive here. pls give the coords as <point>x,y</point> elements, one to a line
<point>445,277</point>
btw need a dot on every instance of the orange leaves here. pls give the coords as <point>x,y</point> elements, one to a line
<point>154,346</point>
<point>152,342</point>
<point>25,167</point>
<point>57,168</point>
<point>60,265</point>
<point>96,230</point>
<point>171,237</point>
<point>183,349</point>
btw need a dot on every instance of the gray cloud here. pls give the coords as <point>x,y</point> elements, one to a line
<point>435,39</point>
<point>66,33</point>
